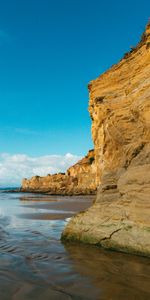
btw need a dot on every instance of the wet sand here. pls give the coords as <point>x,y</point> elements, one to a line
<point>34,264</point>
<point>54,207</point>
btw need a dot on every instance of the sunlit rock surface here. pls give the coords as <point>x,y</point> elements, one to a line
<point>79,179</point>
<point>120,110</point>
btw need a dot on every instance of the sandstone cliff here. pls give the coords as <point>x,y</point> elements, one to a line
<point>79,179</point>
<point>120,110</point>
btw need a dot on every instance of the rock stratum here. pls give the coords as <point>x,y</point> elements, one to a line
<point>120,110</point>
<point>78,179</point>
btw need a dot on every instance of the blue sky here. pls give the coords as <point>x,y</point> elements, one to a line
<point>49,51</point>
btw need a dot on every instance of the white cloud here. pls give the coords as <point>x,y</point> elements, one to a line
<point>17,166</point>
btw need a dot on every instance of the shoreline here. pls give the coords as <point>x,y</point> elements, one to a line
<point>20,190</point>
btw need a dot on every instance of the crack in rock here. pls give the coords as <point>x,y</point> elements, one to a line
<point>110,236</point>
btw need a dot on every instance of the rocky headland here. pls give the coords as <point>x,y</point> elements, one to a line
<point>80,179</point>
<point>120,111</point>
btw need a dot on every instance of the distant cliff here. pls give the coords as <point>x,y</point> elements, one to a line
<point>79,179</point>
<point>120,110</point>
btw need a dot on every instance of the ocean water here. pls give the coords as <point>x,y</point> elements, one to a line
<point>35,264</point>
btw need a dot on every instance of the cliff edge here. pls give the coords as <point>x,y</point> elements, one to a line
<point>78,179</point>
<point>120,110</point>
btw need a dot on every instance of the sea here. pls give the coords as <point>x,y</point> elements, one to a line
<point>36,264</point>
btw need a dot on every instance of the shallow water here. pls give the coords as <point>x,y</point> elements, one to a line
<point>34,264</point>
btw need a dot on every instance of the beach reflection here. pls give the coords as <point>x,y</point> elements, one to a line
<point>116,275</point>
<point>34,264</point>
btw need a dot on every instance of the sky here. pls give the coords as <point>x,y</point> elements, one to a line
<point>49,52</point>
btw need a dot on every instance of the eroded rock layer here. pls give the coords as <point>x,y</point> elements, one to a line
<point>79,179</point>
<point>120,110</point>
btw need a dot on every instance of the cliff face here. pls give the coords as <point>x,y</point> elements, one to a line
<point>79,179</point>
<point>120,110</point>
